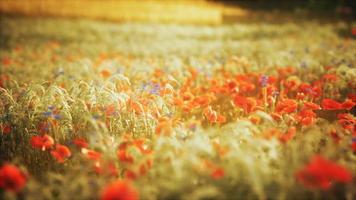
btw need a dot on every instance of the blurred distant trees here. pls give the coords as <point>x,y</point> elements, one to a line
<point>293,4</point>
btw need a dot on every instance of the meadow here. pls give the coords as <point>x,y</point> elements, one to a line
<point>103,110</point>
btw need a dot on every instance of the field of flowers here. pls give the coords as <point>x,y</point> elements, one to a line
<point>100,110</point>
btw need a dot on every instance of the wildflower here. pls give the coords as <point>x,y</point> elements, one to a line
<point>110,110</point>
<point>272,133</point>
<point>352,96</point>
<point>300,96</point>
<point>322,173</point>
<point>80,143</point>
<point>155,89</point>
<point>44,142</point>
<point>232,86</point>
<point>119,190</point>
<point>353,31</point>
<point>202,101</point>
<point>164,128</point>
<point>248,104</point>
<point>105,73</point>
<point>286,106</point>
<point>245,87</point>
<point>6,129</point>
<point>347,121</point>
<point>292,83</point>
<point>277,117</point>
<point>217,173</point>
<point>177,101</point>
<point>91,154</point>
<point>221,119</point>
<point>6,61</point>
<point>313,91</point>
<point>288,135</point>
<point>335,136</point>
<point>330,104</point>
<point>306,117</point>
<point>210,114</point>
<point>286,71</point>
<point>61,153</point>
<point>353,145</point>
<point>310,106</point>
<point>263,80</point>
<point>129,174</point>
<point>134,106</point>
<point>140,144</point>
<point>330,77</point>
<point>187,96</point>
<point>124,156</point>
<point>12,179</point>
<point>112,170</point>
<point>47,114</point>
<point>348,104</point>
<point>51,113</point>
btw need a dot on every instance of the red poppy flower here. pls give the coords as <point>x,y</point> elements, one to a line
<point>245,87</point>
<point>347,121</point>
<point>44,142</point>
<point>140,144</point>
<point>210,114</point>
<point>11,178</point>
<point>314,91</point>
<point>202,101</point>
<point>288,135</point>
<point>353,146</point>
<point>221,119</point>
<point>285,71</point>
<point>61,153</point>
<point>6,61</point>
<point>91,154</point>
<point>330,104</point>
<point>124,156</point>
<point>177,101</point>
<point>348,104</point>
<point>248,104</point>
<point>276,116</point>
<point>119,190</point>
<point>352,96</point>
<point>217,173</point>
<point>164,128</point>
<point>321,173</point>
<point>311,106</point>
<point>105,73</point>
<point>131,175</point>
<point>292,83</point>
<point>110,110</point>
<point>111,169</point>
<point>353,31</point>
<point>306,117</point>
<point>231,85</point>
<point>330,77</point>
<point>6,129</point>
<point>80,143</point>
<point>286,106</point>
<point>335,136</point>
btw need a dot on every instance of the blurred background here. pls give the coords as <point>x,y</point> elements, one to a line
<point>185,11</point>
